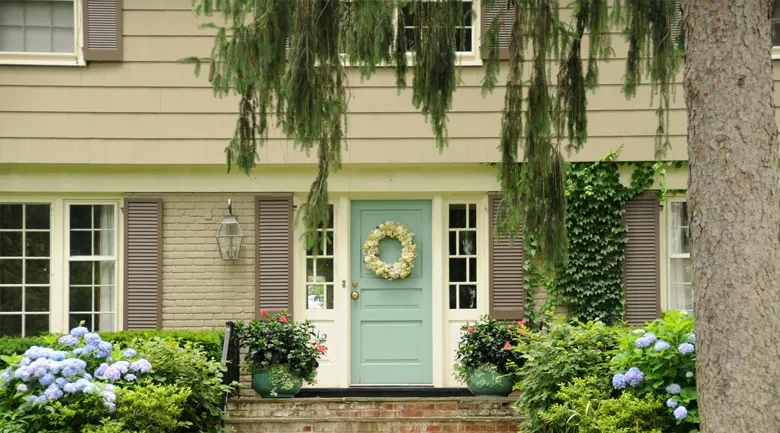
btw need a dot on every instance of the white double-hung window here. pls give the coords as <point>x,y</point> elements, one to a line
<point>40,31</point>
<point>679,253</point>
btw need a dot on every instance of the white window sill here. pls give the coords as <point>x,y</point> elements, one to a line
<point>41,59</point>
<point>776,53</point>
<point>466,59</point>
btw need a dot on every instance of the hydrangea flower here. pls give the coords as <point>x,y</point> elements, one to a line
<point>23,374</point>
<point>68,340</point>
<point>639,331</point>
<point>689,374</point>
<point>71,387</point>
<point>36,399</point>
<point>680,413</point>
<point>58,355</point>
<point>53,392</point>
<point>92,339</point>
<point>634,376</point>
<point>141,366</point>
<point>79,331</point>
<point>129,353</point>
<point>673,389</point>
<point>111,373</point>
<point>122,366</point>
<point>619,381</point>
<point>646,340</point>
<point>47,379</point>
<point>25,362</point>
<point>686,348</point>
<point>661,345</point>
<point>101,369</point>
<point>111,407</point>
<point>21,387</point>
<point>671,403</point>
<point>130,377</point>
<point>5,376</point>
<point>61,381</point>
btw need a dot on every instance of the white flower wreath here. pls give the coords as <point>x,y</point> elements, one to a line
<point>390,271</point>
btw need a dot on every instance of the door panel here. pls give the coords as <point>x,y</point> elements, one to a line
<point>391,340</point>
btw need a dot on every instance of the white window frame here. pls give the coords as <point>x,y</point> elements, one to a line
<point>114,257</point>
<point>463,58</point>
<point>775,48</point>
<point>476,255</point>
<point>322,256</point>
<point>669,254</point>
<point>53,59</point>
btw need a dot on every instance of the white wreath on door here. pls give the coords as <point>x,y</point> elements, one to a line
<point>399,269</point>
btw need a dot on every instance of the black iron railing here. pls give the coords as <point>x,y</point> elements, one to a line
<point>231,356</point>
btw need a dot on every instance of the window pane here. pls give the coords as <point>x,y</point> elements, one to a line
<point>103,243</point>
<point>104,299</point>
<point>329,297</point>
<point>328,243</point>
<point>37,244</point>
<point>104,217</point>
<point>10,216</point>
<point>453,243</point>
<point>680,275</point>
<point>37,14</point>
<point>10,299</point>
<point>62,40</point>
<point>36,324</point>
<point>36,271</point>
<point>325,269</point>
<point>10,326</point>
<point>453,297</point>
<point>11,244</point>
<point>80,243</point>
<point>38,216</point>
<point>36,299</point>
<point>79,319</point>
<point>468,243</point>
<point>472,270</point>
<point>80,298</point>
<point>457,216</point>
<point>11,13</point>
<point>10,271</point>
<point>104,273</point>
<point>104,322</point>
<point>12,39</point>
<point>62,14</point>
<point>37,39</point>
<point>468,297</point>
<point>472,216</point>
<point>80,216</point>
<point>310,271</point>
<point>457,270</point>
<point>681,240</point>
<point>315,297</point>
<point>80,272</point>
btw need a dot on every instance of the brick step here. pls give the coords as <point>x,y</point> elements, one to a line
<point>375,425</point>
<point>243,408</point>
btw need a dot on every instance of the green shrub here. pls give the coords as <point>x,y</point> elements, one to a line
<point>488,343</point>
<point>187,365</point>
<point>586,405</point>
<point>152,408</point>
<point>553,358</point>
<point>107,426</point>
<point>210,340</point>
<point>661,359</point>
<point>10,346</point>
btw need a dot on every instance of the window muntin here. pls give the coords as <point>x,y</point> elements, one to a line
<point>25,268</point>
<point>462,256</point>
<point>38,26</point>
<point>464,34</point>
<point>92,265</point>
<point>319,271</point>
<point>680,266</point>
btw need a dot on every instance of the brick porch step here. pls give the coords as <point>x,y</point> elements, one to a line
<point>374,415</point>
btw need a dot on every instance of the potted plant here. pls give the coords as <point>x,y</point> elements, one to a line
<point>281,354</point>
<point>485,357</point>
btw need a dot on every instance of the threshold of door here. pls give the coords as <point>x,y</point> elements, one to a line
<point>385,391</point>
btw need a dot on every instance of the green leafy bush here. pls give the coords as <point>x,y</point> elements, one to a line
<point>152,408</point>
<point>278,341</point>
<point>10,346</point>
<point>187,365</point>
<point>487,343</point>
<point>553,358</point>
<point>586,405</point>
<point>661,359</point>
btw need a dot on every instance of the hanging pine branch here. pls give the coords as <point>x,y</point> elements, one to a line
<point>284,58</point>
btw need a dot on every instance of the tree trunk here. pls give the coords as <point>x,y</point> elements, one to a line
<point>735,213</point>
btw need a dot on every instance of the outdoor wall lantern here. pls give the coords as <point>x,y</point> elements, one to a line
<point>229,235</point>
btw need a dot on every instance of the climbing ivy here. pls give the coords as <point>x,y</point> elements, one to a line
<point>591,281</point>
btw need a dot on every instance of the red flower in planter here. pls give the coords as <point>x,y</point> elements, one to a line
<point>507,345</point>
<point>283,319</point>
<point>323,350</point>
<point>521,323</point>
<point>264,312</point>
<point>470,330</point>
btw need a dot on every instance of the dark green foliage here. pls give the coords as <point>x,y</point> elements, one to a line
<point>208,340</point>
<point>591,282</point>
<point>282,58</point>
<point>483,343</point>
<point>553,358</point>
<point>15,345</point>
<point>188,366</point>
<point>587,405</point>
<point>277,341</point>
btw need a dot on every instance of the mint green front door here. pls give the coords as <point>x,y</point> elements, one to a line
<point>391,320</point>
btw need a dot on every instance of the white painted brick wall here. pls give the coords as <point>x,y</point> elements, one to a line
<point>200,290</point>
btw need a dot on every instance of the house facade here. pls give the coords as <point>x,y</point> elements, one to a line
<point>113,185</point>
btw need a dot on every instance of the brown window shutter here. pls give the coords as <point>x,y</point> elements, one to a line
<point>102,30</point>
<point>274,255</point>
<point>641,272</point>
<point>143,263</point>
<point>675,26</point>
<point>506,19</point>
<point>506,292</point>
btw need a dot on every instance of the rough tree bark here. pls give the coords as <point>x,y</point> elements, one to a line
<point>735,213</point>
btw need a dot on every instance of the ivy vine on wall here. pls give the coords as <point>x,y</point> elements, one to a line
<point>591,282</point>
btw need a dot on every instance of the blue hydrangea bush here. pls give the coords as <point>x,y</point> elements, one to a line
<point>660,358</point>
<point>79,367</point>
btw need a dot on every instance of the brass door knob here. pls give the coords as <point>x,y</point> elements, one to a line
<point>354,295</point>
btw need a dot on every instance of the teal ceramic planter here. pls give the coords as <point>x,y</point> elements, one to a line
<point>489,383</point>
<point>269,386</point>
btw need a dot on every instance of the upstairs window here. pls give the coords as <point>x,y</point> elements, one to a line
<point>680,266</point>
<point>38,26</point>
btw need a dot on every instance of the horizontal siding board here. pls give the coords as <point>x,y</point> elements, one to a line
<point>506,257</point>
<point>143,263</point>
<point>274,259</point>
<point>642,264</point>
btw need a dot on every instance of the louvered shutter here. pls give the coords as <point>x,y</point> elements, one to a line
<point>506,16</point>
<point>102,30</point>
<point>641,272</point>
<point>274,267</point>
<point>507,295</point>
<point>143,263</point>
<point>677,20</point>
